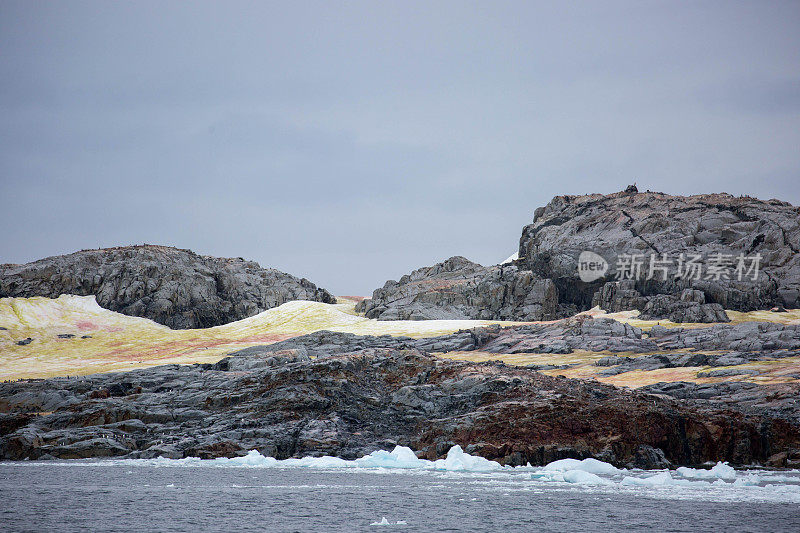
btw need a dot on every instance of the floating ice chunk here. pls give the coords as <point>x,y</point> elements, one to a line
<point>723,471</point>
<point>459,461</point>
<point>253,458</point>
<point>582,477</point>
<point>751,480</point>
<point>400,457</point>
<point>592,466</point>
<point>768,476</point>
<point>385,522</point>
<point>660,479</point>
<point>719,471</point>
<point>326,461</point>
<point>782,488</point>
<point>543,475</point>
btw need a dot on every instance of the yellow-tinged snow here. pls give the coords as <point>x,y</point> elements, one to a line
<point>118,342</point>
<point>791,316</point>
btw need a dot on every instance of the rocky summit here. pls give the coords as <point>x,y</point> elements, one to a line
<point>710,231</point>
<point>171,286</point>
<point>681,258</point>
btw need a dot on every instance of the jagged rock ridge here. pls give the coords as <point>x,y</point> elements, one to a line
<point>172,286</point>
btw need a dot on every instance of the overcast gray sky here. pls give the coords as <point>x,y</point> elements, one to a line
<point>352,142</point>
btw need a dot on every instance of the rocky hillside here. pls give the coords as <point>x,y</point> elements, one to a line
<point>460,289</point>
<point>707,252</point>
<point>174,287</point>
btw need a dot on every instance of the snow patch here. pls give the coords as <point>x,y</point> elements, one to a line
<point>512,257</point>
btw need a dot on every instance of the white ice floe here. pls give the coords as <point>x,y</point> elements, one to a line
<point>400,457</point>
<point>592,466</point>
<point>385,522</point>
<point>719,471</point>
<point>720,483</point>
<point>582,477</point>
<point>657,480</point>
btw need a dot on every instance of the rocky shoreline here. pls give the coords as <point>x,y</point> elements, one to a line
<point>347,395</point>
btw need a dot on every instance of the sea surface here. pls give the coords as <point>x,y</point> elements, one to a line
<point>261,494</point>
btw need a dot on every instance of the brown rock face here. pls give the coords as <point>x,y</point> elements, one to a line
<point>174,287</point>
<point>648,223</point>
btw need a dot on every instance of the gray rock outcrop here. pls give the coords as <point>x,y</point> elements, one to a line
<point>460,289</point>
<point>645,224</point>
<point>174,287</point>
<point>689,306</point>
<point>709,253</point>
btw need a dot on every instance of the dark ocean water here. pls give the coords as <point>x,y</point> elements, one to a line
<point>85,497</point>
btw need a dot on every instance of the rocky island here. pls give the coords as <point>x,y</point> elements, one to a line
<point>530,363</point>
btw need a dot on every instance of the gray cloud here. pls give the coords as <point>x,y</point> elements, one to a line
<point>352,142</point>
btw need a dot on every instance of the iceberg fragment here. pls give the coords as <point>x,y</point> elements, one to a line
<point>458,460</point>
<point>660,479</point>
<point>400,457</point>
<point>719,471</point>
<point>385,522</point>
<point>582,477</point>
<point>592,466</point>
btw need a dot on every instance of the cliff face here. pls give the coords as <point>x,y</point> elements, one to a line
<point>460,289</point>
<point>174,287</point>
<point>631,223</point>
